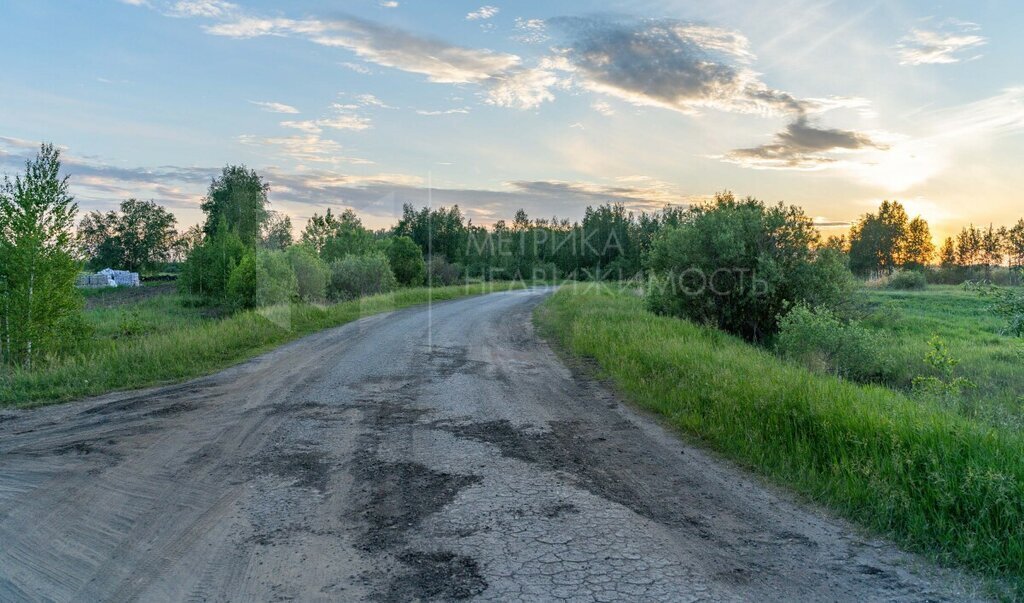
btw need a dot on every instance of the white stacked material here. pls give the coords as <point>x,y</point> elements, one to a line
<point>95,281</point>
<point>122,278</point>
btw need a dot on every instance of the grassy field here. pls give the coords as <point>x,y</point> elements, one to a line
<point>938,482</point>
<point>994,362</point>
<point>162,338</point>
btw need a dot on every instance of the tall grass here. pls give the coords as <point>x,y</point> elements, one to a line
<point>164,342</point>
<point>965,322</point>
<point>934,480</point>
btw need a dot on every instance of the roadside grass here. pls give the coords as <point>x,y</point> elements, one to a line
<point>937,482</point>
<point>994,362</point>
<point>162,340</point>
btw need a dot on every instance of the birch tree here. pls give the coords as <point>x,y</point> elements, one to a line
<point>40,305</point>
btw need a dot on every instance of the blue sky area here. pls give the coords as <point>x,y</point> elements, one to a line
<point>549,106</point>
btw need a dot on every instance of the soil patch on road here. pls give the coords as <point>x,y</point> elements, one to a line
<point>439,576</point>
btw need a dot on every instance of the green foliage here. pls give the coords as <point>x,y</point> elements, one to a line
<point>944,384</point>
<point>277,231</point>
<point>907,280</point>
<point>138,237</point>
<point>311,273</point>
<point>1008,304</point>
<point>208,267</point>
<point>439,231</point>
<point>936,481</point>
<point>237,200</point>
<point>739,265</point>
<point>877,241</point>
<point>40,309</point>
<point>337,237</point>
<point>262,278</point>
<point>443,273</point>
<point>821,341</point>
<point>242,283</point>
<point>406,260</point>
<point>361,275</point>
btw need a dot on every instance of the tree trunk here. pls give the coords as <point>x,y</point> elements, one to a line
<point>28,321</point>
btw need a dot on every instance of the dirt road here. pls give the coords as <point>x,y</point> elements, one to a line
<point>426,454</point>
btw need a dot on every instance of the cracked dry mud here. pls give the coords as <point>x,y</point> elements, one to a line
<point>423,455</point>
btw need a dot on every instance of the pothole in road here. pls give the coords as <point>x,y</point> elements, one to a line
<point>307,469</point>
<point>398,496</point>
<point>439,576</point>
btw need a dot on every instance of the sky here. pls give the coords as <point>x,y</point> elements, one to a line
<point>545,106</point>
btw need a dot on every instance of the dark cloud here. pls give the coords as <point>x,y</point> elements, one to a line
<point>669,63</point>
<point>802,146</point>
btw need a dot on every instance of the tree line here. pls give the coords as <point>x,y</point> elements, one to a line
<point>887,240</point>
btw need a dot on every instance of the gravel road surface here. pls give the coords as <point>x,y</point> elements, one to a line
<point>427,454</point>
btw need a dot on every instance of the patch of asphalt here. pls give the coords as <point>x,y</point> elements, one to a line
<point>429,454</point>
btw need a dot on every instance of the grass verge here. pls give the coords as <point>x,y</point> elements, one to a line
<point>186,346</point>
<point>936,482</point>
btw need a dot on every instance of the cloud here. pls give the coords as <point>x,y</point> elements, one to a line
<point>388,4</point>
<point>202,8</point>
<point>273,107</point>
<point>603,108</point>
<point>942,46</point>
<point>637,192</point>
<point>802,146</point>
<point>522,88</point>
<point>362,69</point>
<point>387,46</point>
<point>530,31</point>
<point>369,100</point>
<point>307,147</point>
<point>462,110</point>
<point>301,190</point>
<point>669,63</point>
<point>339,122</point>
<point>482,13</point>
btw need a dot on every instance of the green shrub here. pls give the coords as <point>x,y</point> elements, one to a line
<point>406,260</point>
<point>209,266</point>
<point>262,278</point>
<point>821,341</point>
<point>311,273</point>
<point>908,280</point>
<point>443,273</point>
<point>361,275</point>
<point>739,265</point>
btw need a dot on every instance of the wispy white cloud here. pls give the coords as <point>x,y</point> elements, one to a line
<point>603,107</point>
<point>336,122</point>
<point>390,47</point>
<point>202,8</point>
<point>272,107</point>
<point>940,46</point>
<point>362,69</point>
<point>458,110</point>
<point>530,31</point>
<point>369,100</point>
<point>388,4</point>
<point>483,13</point>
